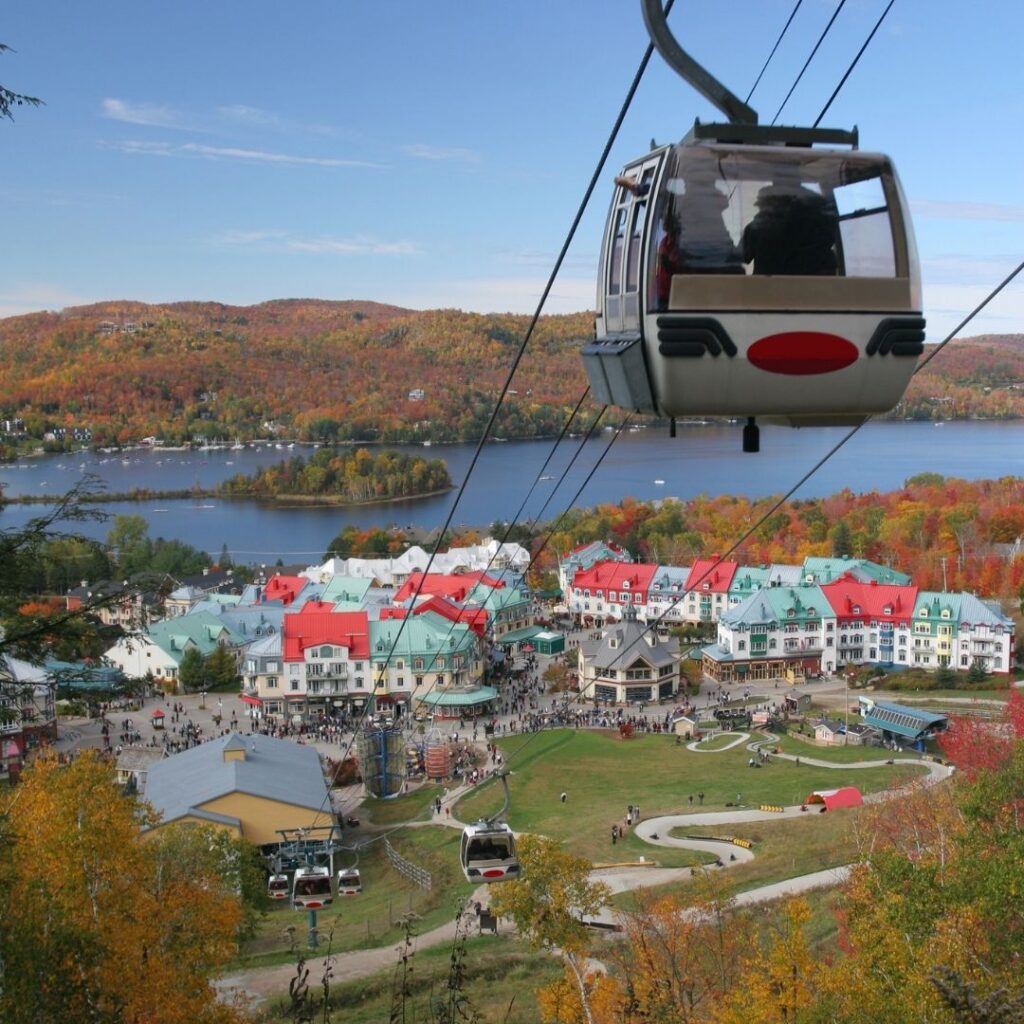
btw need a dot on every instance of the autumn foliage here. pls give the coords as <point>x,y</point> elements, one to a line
<point>941,531</point>
<point>99,922</point>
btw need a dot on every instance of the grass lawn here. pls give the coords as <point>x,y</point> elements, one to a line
<point>501,977</point>
<point>372,918</point>
<point>803,746</point>
<point>414,806</point>
<point>601,774</point>
<point>783,849</point>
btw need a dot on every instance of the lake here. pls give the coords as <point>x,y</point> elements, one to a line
<point>644,464</point>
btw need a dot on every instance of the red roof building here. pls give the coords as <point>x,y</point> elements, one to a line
<point>284,588</point>
<point>873,620</point>
<point>606,587</point>
<point>711,576</point>
<point>476,618</point>
<point>454,587</point>
<point>316,625</point>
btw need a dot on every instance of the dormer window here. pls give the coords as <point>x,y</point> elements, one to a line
<point>706,586</point>
<point>924,613</point>
<point>944,613</point>
<point>856,609</point>
<point>887,610</point>
<point>326,652</point>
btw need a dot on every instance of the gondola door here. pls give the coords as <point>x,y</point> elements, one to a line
<point>624,249</point>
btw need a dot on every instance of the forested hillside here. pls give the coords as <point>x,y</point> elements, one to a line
<point>299,368</point>
<point>344,371</point>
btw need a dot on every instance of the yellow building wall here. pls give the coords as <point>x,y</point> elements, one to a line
<point>190,819</point>
<point>261,818</point>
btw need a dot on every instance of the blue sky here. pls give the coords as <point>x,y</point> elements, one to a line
<point>433,154</point>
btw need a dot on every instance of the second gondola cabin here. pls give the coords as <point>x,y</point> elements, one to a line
<point>277,887</point>
<point>311,888</point>
<point>755,271</point>
<point>349,882</point>
<point>488,853</point>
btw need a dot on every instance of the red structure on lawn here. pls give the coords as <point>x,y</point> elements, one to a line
<point>846,796</point>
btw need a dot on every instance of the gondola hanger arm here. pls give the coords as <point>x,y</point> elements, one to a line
<point>684,65</point>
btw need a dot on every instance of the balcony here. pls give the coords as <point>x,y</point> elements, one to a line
<point>317,674</point>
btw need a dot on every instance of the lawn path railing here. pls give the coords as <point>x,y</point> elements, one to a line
<point>406,868</point>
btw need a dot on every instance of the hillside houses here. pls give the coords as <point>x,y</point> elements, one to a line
<point>314,643</point>
<point>790,621</point>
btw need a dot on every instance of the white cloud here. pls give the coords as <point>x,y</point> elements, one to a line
<point>247,115</point>
<point>422,151</point>
<point>143,113</point>
<point>945,305</point>
<point>941,209</point>
<point>34,296</point>
<point>262,156</point>
<point>281,241</point>
<point>198,150</point>
<point>138,146</point>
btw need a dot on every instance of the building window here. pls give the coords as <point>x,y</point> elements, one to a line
<point>272,682</point>
<point>419,680</point>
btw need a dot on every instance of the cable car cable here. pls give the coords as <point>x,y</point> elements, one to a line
<point>595,177</point>
<point>580,489</point>
<point>849,70</point>
<point>785,29</point>
<point>821,39</point>
<point>970,316</point>
<point>814,469</point>
<point>509,527</point>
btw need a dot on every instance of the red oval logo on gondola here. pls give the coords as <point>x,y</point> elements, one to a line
<point>802,353</point>
<point>493,873</point>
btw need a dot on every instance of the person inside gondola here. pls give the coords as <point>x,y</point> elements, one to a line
<point>693,238</point>
<point>793,232</point>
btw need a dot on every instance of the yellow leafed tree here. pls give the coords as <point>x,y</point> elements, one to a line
<point>100,922</point>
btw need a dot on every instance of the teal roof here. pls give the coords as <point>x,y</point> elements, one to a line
<point>748,579</point>
<point>806,603</point>
<point>517,636</point>
<point>427,636</point>
<point>200,629</point>
<point>825,570</point>
<point>900,719</point>
<point>458,698</point>
<point>496,598</point>
<point>931,604</point>
<point>346,590</point>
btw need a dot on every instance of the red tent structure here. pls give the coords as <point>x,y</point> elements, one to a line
<point>158,719</point>
<point>846,796</point>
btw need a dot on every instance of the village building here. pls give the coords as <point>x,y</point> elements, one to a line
<point>157,652</point>
<point>628,664</point>
<point>898,724</point>
<point>28,713</point>
<point>255,787</point>
<point>778,632</point>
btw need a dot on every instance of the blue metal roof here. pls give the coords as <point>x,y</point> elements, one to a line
<point>901,720</point>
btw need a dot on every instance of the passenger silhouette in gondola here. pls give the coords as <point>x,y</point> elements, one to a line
<point>793,232</point>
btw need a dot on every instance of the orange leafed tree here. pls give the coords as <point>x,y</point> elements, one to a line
<point>100,922</point>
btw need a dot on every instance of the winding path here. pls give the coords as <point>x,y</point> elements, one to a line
<point>258,984</point>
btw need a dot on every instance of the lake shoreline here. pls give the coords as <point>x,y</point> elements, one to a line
<point>278,500</point>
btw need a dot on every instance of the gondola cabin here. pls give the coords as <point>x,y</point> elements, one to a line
<point>277,887</point>
<point>349,882</point>
<point>311,888</point>
<point>750,272</point>
<point>488,853</point>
